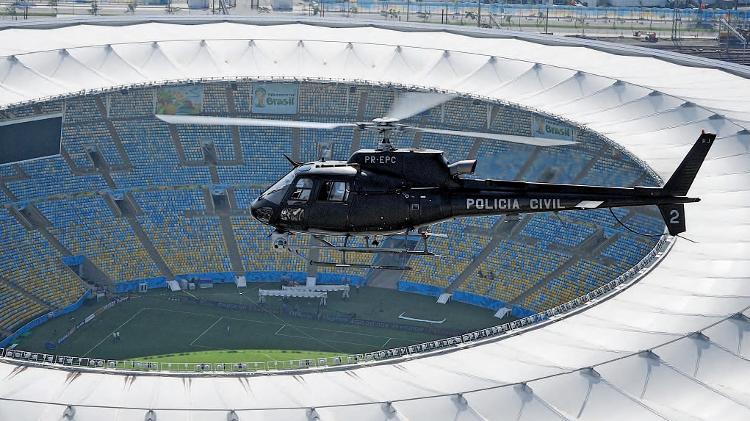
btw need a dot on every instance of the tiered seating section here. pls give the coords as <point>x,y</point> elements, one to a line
<point>192,137</point>
<point>52,176</point>
<point>215,99</point>
<point>131,104</point>
<point>30,262</point>
<point>87,227</point>
<point>76,137</point>
<point>575,281</point>
<point>551,229</point>
<point>252,240</point>
<point>169,191</point>
<point>188,244</point>
<point>154,157</point>
<point>15,308</point>
<point>513,268</point>
<point>456,252</point>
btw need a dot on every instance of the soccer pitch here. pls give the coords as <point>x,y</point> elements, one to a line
<point>155,325</point>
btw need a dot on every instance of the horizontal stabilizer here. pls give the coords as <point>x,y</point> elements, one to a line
<point>589,204</point>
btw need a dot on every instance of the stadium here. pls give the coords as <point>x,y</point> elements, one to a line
<point>570,315</point>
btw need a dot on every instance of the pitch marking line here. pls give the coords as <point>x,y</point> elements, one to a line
<point>330,330</point>
<point>207,329</point>
<point>116,329</point>
<point>204,315</point>
<point>386,343</point>
<point>279,330</point>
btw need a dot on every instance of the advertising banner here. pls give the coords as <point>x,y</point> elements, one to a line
<point>542,127</point>
<point>179,100</point>
<point>275,98</point>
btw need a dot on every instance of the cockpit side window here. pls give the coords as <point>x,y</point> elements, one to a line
<point>334,191</point>
<point>302,190</point>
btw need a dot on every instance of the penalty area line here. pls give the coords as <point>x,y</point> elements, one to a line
<point>386,343</point>
<point>207,329</point>
<point>116,329</point>
<point>280,329</point>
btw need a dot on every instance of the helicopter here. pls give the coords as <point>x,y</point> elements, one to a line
<point>388,191</point>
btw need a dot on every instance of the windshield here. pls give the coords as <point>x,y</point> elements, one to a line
<point>275,194</point>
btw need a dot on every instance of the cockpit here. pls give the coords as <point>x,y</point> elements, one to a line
<point>307,185</point>
<point>276,193</point>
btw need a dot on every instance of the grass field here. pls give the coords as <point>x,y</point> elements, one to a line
<point>156,327</point>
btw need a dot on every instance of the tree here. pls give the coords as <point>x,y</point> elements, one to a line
<point>53,4</point>
<point>132,5</point>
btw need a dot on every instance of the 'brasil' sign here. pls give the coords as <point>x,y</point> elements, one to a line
<point>274,98</point>
<point>541,127</point>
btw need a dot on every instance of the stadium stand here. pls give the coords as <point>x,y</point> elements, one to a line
<point>76,137</point>
<point>319,99</point>
<point>130,103</point>
<point>463,114</point>
<point>563,165</point>
<point>32,263</point>
<point>148,144</point>
<point>87,227</point>
<point>628,249</point>
<point>81,109</point>
<point>315,142</point>
<point>500,160</point>
<point>513,268</point>
<point>581,277</point>
<point>256,254</point>
<point>16,308</point>
<point>175,218</point>
<point>242,97</point>
<point>188,244</point>
<point>191,138</point>
<point>548,229</point>
<point>215,99</point>
<point>245,196</point>
<point>52,176</point>
<point>263,157</point>
<point>601,173</point>
<point>456,251</point>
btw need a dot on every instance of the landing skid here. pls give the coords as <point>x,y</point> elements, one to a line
<point>371,250</point>
<point>368,248</point>
<point>358,266</point>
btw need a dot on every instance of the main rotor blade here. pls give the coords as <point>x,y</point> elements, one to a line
<point>410,104</point>
<point>255,122</point>
<point>526,140</point>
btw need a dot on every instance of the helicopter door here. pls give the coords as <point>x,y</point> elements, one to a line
<point>294,213</point>
<point>331,208</point>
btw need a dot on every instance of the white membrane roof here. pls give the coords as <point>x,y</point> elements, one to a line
<point>632,357</point>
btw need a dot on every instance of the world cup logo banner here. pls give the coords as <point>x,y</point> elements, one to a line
<point>274,98</point>
<point>541,127</point>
